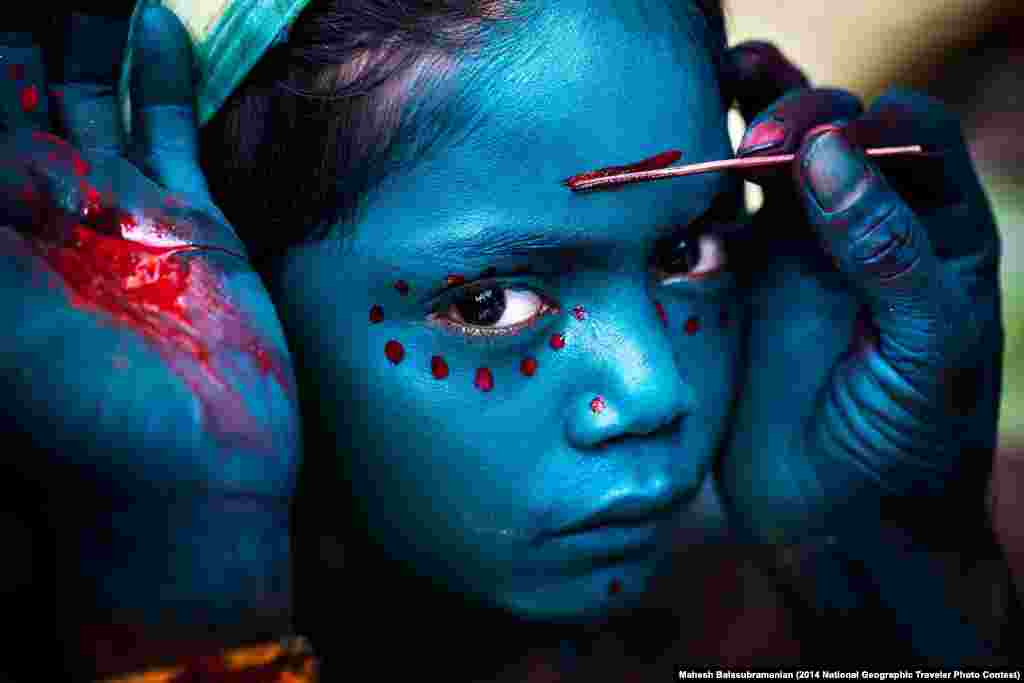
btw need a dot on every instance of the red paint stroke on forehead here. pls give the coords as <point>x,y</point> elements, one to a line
<point>662,160</point>
<point>175,302</point>
<point>484,380</point>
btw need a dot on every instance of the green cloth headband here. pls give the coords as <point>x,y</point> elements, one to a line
<point>228,36</point>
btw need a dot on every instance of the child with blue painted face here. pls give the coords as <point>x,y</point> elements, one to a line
<point>512,396</point>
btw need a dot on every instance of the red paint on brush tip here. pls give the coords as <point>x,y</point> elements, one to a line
<point>438,367</point>
<point>174,301</point>
<point>528,367</point>
<point>662,160</point>
<point>394,351</point>
<point>557,342</point>
<point>376,314</point>
<point>484,380</point>
<point>30,99</point>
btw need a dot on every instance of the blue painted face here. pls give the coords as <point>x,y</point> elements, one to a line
<point>525,384</point>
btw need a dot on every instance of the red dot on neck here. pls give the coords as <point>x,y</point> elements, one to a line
<point>438,367</point>
<point>394,351</point>
<point>528,367</point>
<point>692,325</point>
<point>557,341</point>
<point>484,380</point>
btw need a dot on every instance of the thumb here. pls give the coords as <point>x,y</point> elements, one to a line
<point>164,127</point>
<point>885,251</point>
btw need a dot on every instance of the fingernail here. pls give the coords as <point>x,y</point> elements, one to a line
<point>766,135</point>
<point>834,171</point>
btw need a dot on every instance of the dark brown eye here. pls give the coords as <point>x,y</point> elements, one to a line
<point>483,305</point>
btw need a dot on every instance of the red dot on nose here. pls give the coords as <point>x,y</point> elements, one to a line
<point>438,368</point>
<point>557,341</point>
<point>597,405</point>
<point>661,313</point>
<point>484,380</point>
<point>394,351</point>
<point>692,325</point>
<point>376,314</point>
<point>528,366</point>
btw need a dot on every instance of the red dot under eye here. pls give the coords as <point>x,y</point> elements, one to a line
<point>692,325</point>
<point>557,341</point>
<point>528,367</point>
<point>438,367</point>
<point>484,380</point>
<point>394,351</point>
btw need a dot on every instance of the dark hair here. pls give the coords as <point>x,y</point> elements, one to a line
<point>307,134</point>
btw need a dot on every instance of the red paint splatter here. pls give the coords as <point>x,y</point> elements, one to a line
<point>438,368</point>
<point>597,405</point>
<point>394,351</point>
<point>30,99</point>
<point>557,342</point>
<point>528,367</point>
<point>16,72</point>
<point>614,587</point>
<point>484,380</point>
<point>650,164</point>
<point>376,314</point>
<point>662,315</point>
<point>724,320</point>
<point>692,325</point>
<point>454,280</point>
<point>176,305</point>
<point>579,313</point>
<point>402,287</point>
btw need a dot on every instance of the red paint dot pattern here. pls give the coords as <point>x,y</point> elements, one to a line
<point>484,380</point>
<point>597,405</point>
<point>579,313</point>
<point>438,367</point>
<point>394,352</point>
<point>557,342</point>
<point>376,314</point>
<point>402,287</point>
<point>30,99</point>
<point>528,367</point>
<point>692,325</point>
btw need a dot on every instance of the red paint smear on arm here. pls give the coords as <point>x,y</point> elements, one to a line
<point>662,160</point>
<point>176,304</point>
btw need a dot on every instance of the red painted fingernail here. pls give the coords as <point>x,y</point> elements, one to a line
<point>394,351</point>
<point>438,367</point>
<point>376,314</point>
<point>528,367</point>
<point>557,342</point>
<point>484,380</point>
<point>763,136</point>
